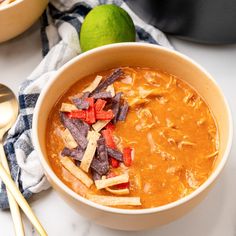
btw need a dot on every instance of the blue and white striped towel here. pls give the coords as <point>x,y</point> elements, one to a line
<point>61,24</point>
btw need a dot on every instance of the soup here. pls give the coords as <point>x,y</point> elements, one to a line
<point>132,138</point>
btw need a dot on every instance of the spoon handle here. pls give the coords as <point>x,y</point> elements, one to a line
<point>10,184</point>
<point>15,211</point>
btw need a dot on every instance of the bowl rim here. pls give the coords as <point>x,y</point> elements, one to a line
<point>10,5</point>
<point>87,202</point>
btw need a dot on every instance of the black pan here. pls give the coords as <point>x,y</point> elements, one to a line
<point>207,21</point>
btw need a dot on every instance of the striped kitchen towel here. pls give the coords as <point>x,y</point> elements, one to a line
<point>60,26</point>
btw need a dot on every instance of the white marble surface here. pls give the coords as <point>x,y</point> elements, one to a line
<point>215,216</point>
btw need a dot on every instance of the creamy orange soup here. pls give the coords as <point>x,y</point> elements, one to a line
<point>169,127</point>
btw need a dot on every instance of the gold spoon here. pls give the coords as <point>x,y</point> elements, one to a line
<point>8,113</point>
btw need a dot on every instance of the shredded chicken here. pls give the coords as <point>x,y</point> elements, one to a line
<point>213,154</point>
<point>185,143</point>
<point>155,148</point>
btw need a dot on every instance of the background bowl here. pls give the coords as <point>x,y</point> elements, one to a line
<point>143,55</point>
<point>18,16</point>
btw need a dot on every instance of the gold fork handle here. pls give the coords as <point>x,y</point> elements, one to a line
<point>11,186</point>
<point>15,210</point>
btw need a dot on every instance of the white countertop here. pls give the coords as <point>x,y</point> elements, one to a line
<point>215,216</point>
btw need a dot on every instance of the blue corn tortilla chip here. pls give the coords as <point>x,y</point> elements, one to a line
<point>95,175</point>
<point>100,163</point>
<point>115,154</point>
<point>76,154</point>
<point>73,125</point>
<point>101,168</point>
<point>102,150</point>
<point>82,126</point>
<point>102,95</point>
<point>123,112</point>
<point>108,81</point>
<point>85,95</point>
<point>116,106</point>
<point>101,159</point>
<point>81,103</point>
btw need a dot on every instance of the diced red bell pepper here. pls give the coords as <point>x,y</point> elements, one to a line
<point>114,162</point>
<point>118,186</point>
<point>127,156</point>
<point>104,115</point>
<point>99,105</point>
<point>122,186</point>
<point>110,127</point>
<point>107,134</point>
<point>90,112</point>
<point>78,114</point>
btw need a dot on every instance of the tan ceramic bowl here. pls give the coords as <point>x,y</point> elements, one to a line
<point>143,55</point>
<point>18,16</point>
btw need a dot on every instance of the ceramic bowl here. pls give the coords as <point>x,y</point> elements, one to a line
<point>18,16</point>
<point>143,55</point>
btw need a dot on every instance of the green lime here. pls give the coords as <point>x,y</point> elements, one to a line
<point>106,24</point>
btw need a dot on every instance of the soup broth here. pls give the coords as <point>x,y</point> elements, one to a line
<point>169,133</point>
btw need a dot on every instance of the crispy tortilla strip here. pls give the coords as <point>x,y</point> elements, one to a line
<point>100,124</point>
<point>94,84</point>
<point>103,183</point>
<point>102,95</point>
<point>76,184</point>
<point>115,75</point>
<point>77,128</point>
<point>68,139</point>
<point>123,111</point>
<point>111,89</point>
<point>67,107</point>
<point>116,106</point>
<point>124,191</point>
<point>81,103</point>
<point>93,137</point>
<point>114,201</point>
<point>76,154</point>
<point>76,171</point>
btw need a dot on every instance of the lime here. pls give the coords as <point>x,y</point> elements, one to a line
<point>106,24</point>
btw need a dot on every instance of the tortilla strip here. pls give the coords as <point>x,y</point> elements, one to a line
<point>92,138</point>
<point>67,107</point>
<point>114,201</point>
<point>102,95</point>
<point>76,184</point>
<point>94,84</point>
<point>68,139</point>
<point>124,191</point>
<point>75,128</point>
<point>103,183</point>
<point>100,124</point>
<point>76,171</point>
<point>111,89</point>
